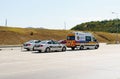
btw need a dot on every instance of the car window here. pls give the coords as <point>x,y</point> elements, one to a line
<point>70,37</point>
<point>37,41</point>
<point>94,39</point>
<point>54,42</point>
<point>49,42</point>
<point>43,42</point>
<point>31,41</point>
<point>88,38</point>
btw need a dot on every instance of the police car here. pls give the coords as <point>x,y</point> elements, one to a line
<point>49,45</point>
<point>30,44</point>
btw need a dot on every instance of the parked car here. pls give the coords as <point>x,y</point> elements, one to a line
<point>62,41</point>
<point>49,45</point>
<point>30,44</point>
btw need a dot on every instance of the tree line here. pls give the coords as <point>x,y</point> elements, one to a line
<point>112,26</point>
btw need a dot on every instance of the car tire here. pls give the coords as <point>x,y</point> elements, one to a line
<point>28,49</point>
<point>33,49</point>
<point>64,49</point>
<point>47,49</point>
<point>81,47</point>
<point>97,46</point>
<point>39,51</point>
<point>73,48</point>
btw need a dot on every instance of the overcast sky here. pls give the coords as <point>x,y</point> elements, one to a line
<point>56,14</point>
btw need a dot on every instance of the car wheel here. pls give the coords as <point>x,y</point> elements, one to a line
<point>64,49</point>
<point>47,49</point>
<point>81,47</point>
<point>33,49</point>
<point>39,50</point>
<point>73,48</point>
<point>28,49</point>
<point>96,47</point>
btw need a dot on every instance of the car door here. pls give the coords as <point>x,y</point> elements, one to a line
<point>36,42</point>
<point>57,45</point>
<point>51,46</point>
<point>54,45</point>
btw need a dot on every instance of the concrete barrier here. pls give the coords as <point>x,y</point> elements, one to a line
<point>9,46</point>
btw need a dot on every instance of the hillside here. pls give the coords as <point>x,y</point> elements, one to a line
<point>13,36</point>
<point>111,26</point>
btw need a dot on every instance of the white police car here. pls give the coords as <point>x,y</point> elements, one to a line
<point>30,44</point>
<point>49,45</point>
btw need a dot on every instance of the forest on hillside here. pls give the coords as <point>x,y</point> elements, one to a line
<point>111,26</point>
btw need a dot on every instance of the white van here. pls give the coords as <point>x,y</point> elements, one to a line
<point>81,40</point>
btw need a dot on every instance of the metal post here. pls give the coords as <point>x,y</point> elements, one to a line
<point>6,22</point>
<point>65,25</point>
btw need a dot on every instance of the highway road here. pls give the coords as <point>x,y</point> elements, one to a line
<point>103,63</point>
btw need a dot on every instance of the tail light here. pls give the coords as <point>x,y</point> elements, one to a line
<point>28,45</point>
<point>41,45</point>
<point>38,45</point>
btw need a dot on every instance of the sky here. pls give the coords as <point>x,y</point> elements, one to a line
<point>56,14</point>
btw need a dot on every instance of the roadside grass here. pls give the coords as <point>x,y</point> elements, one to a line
<point>13,35</point>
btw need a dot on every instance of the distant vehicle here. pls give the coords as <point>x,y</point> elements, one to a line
<point>62,41</point>
<point>81,40</point>
<point>30,44</point>
<point>49,45</point>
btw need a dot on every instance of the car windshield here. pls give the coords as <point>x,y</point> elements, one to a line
<point>37,41</point>
<point>31,41</point>
<point>70,37</point>
<point>55,42</point>
<point>43,42</point>
<point>34,41</point>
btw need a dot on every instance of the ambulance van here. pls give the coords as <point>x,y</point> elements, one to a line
<point>81,40</point>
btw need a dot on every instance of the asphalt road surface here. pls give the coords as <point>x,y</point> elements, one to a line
<point>103,63</point>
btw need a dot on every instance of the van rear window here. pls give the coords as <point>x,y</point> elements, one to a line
<point>88,38</point>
